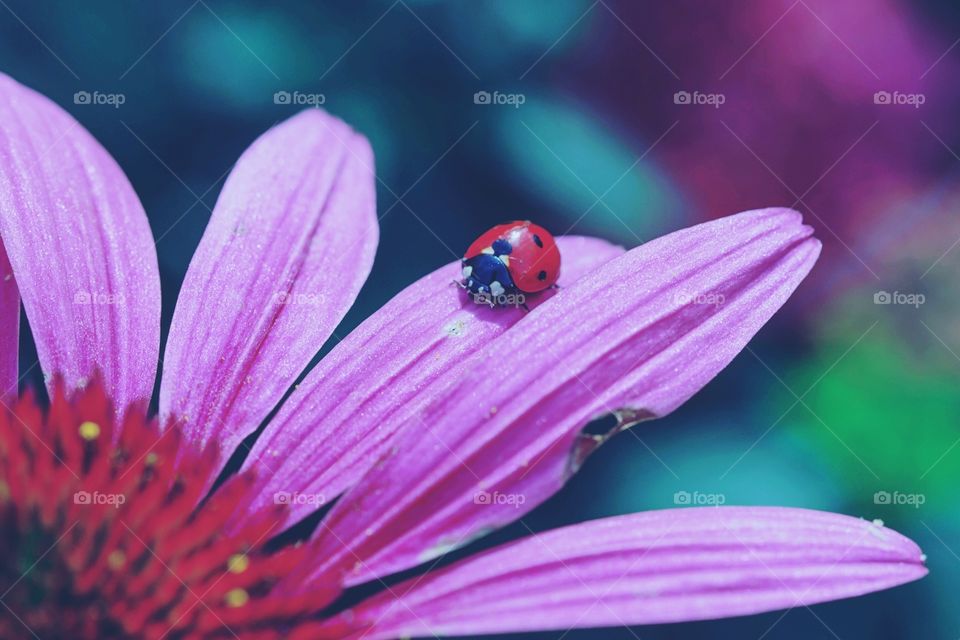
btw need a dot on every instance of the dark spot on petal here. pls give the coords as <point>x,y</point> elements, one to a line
<point>597,432</point>
<point>538,242</point>
<point>601,426</point>
<point>542,275</point>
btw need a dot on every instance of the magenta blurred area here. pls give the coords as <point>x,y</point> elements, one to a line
<point>810,117</point>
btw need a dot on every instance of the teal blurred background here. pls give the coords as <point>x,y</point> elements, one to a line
<point>624,120</point>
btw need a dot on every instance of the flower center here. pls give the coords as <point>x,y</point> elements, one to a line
<point>103,537</point>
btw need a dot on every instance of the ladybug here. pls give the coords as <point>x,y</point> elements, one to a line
<point>510,260</point>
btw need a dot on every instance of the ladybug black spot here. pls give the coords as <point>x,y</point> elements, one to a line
<point>537,241</point>
<point>542,275</point>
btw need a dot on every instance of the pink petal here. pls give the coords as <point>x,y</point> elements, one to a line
<point>289,245</point>
<point>9,329</point>
<point>649,568</point>
<point>339,420</point>
<point>639,335</point>
<point>81,249</point>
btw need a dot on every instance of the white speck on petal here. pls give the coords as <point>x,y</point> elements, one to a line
<point>455,328</point>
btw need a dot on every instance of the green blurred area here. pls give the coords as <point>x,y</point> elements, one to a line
<point>885,414</point>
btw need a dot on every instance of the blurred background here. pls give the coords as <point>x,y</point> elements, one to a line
<point>624,120</point>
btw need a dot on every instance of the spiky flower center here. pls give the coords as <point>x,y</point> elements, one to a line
<point>106,533</point>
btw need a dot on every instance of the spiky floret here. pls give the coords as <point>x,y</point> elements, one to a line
<point>102,536</point>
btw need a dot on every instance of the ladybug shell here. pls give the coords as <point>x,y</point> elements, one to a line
<point>533,259</point>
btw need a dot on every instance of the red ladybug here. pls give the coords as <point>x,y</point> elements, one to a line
<point>514,258</point>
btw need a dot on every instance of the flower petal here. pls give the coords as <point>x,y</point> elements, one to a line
<point>80,246</point>
<point>330,431</point>
<point>9,329</point>
<point>638,336</point>
<point>649,568</point>
<point>289,245</point>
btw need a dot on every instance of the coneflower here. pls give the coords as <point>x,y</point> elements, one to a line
<point>434,422</point>
<point>102,536</point>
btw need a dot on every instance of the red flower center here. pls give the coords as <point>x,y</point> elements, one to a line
<point>103,536</point>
